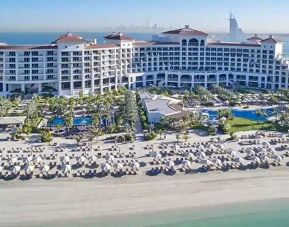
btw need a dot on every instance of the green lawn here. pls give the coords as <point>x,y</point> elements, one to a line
<point>240,124</point>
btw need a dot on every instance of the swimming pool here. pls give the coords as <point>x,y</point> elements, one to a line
<point>77,121</point>
<point>246,114</point>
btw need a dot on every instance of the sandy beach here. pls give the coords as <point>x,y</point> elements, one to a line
<point>44,203</point>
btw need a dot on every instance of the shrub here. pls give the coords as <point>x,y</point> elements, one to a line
<point>212,130</point>
<point>150,136</point>
<point>45,136</point>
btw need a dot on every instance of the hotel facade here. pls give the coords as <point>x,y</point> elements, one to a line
<point>182,58</point>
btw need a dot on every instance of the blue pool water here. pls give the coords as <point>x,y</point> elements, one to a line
<point>77,121</point>
<point>246,114</point>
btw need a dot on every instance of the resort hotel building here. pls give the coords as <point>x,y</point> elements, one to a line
<point>182,58</point>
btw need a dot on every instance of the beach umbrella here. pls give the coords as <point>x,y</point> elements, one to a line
<point>170,164</point>
<point>201,155</point>
<point>92,158</point>
<point>81,159</point>
<point>16,169</point>
<point>105,167</point>
<point>66,169</point>
<point>134,165</point>
<point>278,158</point>
<point>256,159</point>
<point>251,153</point>
<point>190,156</point>
<point>266,144</point>
<point>265,158</point>
<point>232,153</point>
<point>157,155</point>
<point>187,164</point>
<point>64,159</point>
<point>217,161</point>
<point>12,160</point>
<point>118,166</point>
<point>28,169</point>
<point>45,168</point>
<point>222,146</point>
<point>38,160</point>
<point>206,162</point>
<point>211,147</point>
<point>109,158</point>
<point>239,160</point>
<point>201,147</point>
<point>27,159</point>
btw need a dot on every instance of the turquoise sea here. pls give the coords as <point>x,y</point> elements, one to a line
<point>272,213</point>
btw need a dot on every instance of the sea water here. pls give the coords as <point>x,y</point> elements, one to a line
<point>25,38</point>
<point>271,213</point>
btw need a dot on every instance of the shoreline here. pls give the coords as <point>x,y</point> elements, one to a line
<point>72,200</point>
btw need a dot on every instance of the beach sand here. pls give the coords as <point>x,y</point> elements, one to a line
<point>62,201</point>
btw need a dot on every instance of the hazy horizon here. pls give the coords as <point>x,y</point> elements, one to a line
<point>268,16</point>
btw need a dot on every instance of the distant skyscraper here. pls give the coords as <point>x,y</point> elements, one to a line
<point>236,33</point>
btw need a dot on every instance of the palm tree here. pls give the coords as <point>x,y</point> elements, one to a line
<point>68,121</point>
<point>160,131</point>
<point>260,114</point>
<point>178,137</point>
<point>78,139</point>
<point>186,137</point>
<point>110,129</point>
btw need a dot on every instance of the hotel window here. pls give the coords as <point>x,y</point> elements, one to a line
<point>26,78</point>
<point>49,52</point>
<point>12,54</point>
<point>34,53</point>
<point>35,78</point>
<point>26,53</point>
<point>26,72</point>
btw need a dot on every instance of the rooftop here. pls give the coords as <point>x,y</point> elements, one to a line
<point>69,38</point>
<point>159,104</point>
<point>118,36</point>
<point>185,31</point>
<point>12,120</point>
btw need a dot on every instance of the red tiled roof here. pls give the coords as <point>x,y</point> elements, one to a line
<point>255,38</point>
<point>186,31</point>
<point>118,36</point>
<point>269,40</point>
<point>69,38</point>
<point>234,44</point>
<point>8,47</point>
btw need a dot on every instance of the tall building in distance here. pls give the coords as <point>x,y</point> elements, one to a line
<point>236,33</point>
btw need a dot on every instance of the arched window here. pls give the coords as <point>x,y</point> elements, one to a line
<point>184,42</point>
<point>193,42</point>
<point>202,43</point>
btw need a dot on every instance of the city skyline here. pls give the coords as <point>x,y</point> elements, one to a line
<point>95,15</point>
